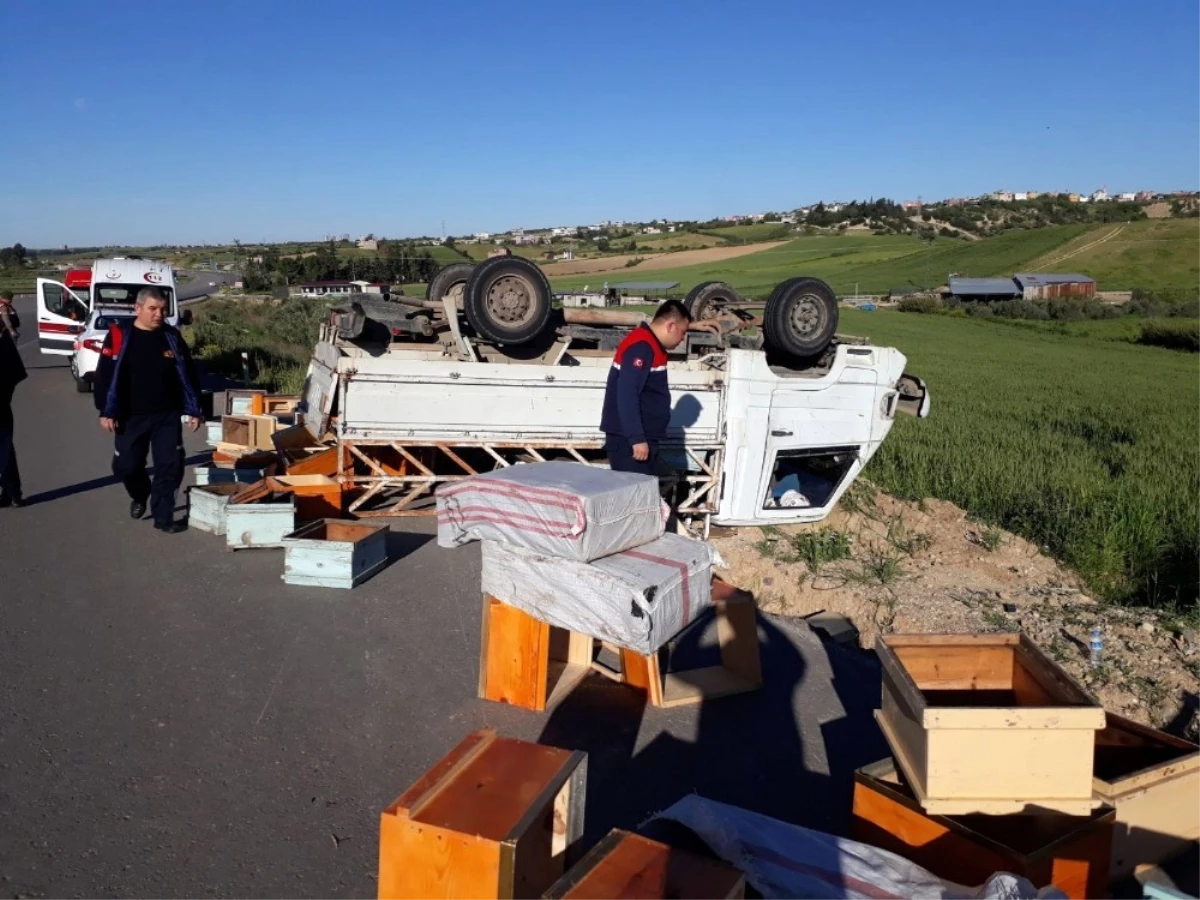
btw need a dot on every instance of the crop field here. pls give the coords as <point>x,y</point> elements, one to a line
<point>869,263</point>
<point>760,231</point>
<point>1069,435</point>
<point>1153,254</point>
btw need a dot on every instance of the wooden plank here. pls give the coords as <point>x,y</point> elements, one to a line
<point>697,685</point>
<point>951,640</point>
<point>515,657</point>
<point>1070,852</point>
<point>1050,675</point>
<point>421,861</point>
<point>625,866</point>
<point>905,735</point>
<point>443,772</point>
<point>642,672</point>
<point>737,634</point>
<point>963,668</point>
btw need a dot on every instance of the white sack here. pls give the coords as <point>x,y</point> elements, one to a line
<point>564,509</point>
<point>784,860</point>
<point>638,599</point>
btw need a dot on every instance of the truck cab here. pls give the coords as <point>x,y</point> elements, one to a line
<point>73,316</point>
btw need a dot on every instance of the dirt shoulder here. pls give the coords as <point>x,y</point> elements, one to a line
<point>652,261</point>
<point>896,567</point>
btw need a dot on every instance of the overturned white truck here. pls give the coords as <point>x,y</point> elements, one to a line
<point>415,397</point>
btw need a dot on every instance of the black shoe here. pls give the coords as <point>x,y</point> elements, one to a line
<point>137,510</point>
<point>170,527</point>
<point>15,502</point>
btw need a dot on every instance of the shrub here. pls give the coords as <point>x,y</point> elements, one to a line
<point>1176,334</point>
<point>922,303</point>
<point>980,310</point>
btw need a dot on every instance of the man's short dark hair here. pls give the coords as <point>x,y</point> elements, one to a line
<point>672,309</point>
<point>6,294</point>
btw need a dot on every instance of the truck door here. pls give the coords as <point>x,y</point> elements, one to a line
<point>61,316</point>
<point>815,447</point>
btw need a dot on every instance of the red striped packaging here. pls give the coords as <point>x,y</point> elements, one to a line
<point>564,509</point>
<point>638,599</point>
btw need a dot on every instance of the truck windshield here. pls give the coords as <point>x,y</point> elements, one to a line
<point>126,294</point>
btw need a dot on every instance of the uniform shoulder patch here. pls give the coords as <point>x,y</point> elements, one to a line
<point>639,363</point>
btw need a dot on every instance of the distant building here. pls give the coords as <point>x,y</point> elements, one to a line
<point>483,236</point>
<point>1144,196</point>
<point>367,243</point>
<point>1020,195</point>
<point>1100,196</point>
<point>983,288</point>
<point>1127,197</point>
<point>1032,195</point>
<point>1054,287</point>
<point>650,229</point>
<point>1002,196</point>
<point>1072,198</point>
<point>341,286</point>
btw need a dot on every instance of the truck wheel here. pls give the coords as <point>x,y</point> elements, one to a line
<point>450,280</point>
<point>801,317</point>
<point>83,385</point>
<point>710,297</point>
<point>507,300</point>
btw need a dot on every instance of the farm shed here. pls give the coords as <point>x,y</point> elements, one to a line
<point>1054,287</point>
<point>984,288</point>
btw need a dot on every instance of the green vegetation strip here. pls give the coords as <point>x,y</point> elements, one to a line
<point>1073,437</point>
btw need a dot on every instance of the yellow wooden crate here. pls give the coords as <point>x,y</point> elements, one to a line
<point>987,724</point>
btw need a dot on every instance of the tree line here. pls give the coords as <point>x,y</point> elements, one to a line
<point>396,262</point>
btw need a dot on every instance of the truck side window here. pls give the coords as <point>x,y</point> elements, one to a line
<point>807,478</point>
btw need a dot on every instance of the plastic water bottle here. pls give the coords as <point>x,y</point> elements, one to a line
<point>1095,646</point>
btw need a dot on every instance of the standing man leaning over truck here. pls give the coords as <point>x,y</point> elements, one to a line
<point>145,385</point>
<point>637,398</point>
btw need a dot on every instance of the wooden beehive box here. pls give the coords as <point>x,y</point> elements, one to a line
<point>1071,852</point>
<point>317,496</point>
<point>1153,780</point>
<point>301,454</point>
<point>214,474</point>
<point>625,866</point>
<point>987,724</point>
<point>332,553</point>
<point>244,401</point>
<point>253,432</point>
<point>494,818</point>
<point>258,517</point>
<point>214,432</point>
<point>207,503</point>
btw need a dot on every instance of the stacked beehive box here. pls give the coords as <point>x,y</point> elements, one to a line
<point>1002,761</point>
<point>581,550</point>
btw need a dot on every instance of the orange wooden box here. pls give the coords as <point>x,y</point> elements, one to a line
<point>532,664</point>
<point>1071,852</point>
<point>496,817</point>
<point>627,866</point>
<point>317,496</point>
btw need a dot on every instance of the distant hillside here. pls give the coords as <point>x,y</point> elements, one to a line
<point>1154,254</point>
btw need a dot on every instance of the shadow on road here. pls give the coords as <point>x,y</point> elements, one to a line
<point>745,750</point>
<point>95,483</point>
<point>402,543</point>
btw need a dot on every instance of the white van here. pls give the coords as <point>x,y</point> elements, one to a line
<point>73,321</point>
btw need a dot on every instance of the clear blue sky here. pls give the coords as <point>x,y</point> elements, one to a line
<point>188,122</point>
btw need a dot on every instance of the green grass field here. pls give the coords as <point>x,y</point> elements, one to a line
<point>1064,433</point>
<point>1153,254</point>
<point>749,234</point>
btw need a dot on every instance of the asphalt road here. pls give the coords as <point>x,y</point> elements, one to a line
<point>176,721</point>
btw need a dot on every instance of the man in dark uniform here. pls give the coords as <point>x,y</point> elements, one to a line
<point>637,398</point>
<point>12,373</point>
<point>145,385</point>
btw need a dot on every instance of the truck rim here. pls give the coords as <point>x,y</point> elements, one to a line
<point>804,318</point>
<point>510,300</point>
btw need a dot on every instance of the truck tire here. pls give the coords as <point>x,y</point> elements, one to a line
<point>83,386</point>
<point>708,297</point>
<point>801,317</point>
<point>451,280</point>
<point>507,300</point>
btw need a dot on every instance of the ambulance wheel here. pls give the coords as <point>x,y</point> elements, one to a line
<point>801,317</point>
<point>507,300</point>
<point>710,297</point>
<point>450,280</point>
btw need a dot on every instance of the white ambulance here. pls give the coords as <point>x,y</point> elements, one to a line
<point>73,321</point>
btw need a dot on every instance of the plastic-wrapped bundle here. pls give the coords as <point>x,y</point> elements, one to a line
<point>638,599</point>
<point>564,509</point>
